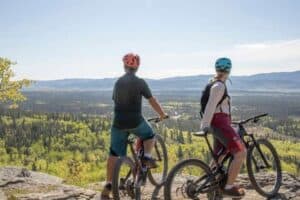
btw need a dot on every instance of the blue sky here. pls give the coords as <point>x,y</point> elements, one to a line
<point>86,39</point>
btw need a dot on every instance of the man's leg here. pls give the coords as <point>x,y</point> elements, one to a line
<point>111,161</point>
<point>109,170</point>
<point>145,133</point>
<point>118,147</point>
<point>148,146</point>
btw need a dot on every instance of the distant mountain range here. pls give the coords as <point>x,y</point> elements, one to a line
<point>279,81</point>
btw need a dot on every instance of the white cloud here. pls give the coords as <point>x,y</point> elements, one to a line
<point>278,51</point>
<point>252,46</point>
<point>247,59</point>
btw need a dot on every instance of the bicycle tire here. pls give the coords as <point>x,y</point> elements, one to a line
<point>115,179</point>
<point>177,167</point>
<point>160,141</point>
<point>254,182</point>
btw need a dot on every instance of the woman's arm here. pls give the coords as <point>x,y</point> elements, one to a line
<point>216,94</point>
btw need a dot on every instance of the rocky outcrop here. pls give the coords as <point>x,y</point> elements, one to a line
<point>18,183</point>
<point>290,188</point>
<point>21,184</point>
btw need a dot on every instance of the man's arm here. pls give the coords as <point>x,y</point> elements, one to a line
<point>156,106</point>
<point>146,92</point>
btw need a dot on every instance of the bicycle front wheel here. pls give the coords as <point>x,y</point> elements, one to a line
<point>264,168</point>
<point>123,179</point>
<point>158,175</point>
<point>189,179</point>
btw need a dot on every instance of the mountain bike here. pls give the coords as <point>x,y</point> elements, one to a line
<point>130,174</point>
<point>194,179</point>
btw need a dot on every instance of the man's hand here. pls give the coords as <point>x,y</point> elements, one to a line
<point>163,116</point>
<point>156,106</point>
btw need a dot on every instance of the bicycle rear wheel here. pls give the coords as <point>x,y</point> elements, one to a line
<point>158,175</point>
<point>190,179</point>
<point>123,179</point>
<point>264,168</point>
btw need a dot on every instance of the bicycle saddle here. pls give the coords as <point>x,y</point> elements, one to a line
<point>200,134</point>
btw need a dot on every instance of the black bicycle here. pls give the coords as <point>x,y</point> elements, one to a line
<point>130,174</point>
<point>194,179</point>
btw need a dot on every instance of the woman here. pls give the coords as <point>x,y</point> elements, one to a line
<point>217,117</point>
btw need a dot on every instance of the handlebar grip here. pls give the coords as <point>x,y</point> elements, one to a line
<point>157,119</point>
<point>152,119</point>
<point>259,116</point>
<point>262,115</point>
<point>254,119</point>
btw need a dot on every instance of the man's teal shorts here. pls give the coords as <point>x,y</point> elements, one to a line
<point>119,137</point>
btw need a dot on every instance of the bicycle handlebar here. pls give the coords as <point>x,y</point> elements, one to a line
<point>156,119</point>
<point>255,119</point>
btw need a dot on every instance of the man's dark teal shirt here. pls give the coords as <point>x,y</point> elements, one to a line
<point>127,96</point>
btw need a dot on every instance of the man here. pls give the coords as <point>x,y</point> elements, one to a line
<point>217,116</point>
<point>127,96</point>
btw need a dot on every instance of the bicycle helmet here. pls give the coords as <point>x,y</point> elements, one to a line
<point>223,64</point>
<point>131,60</point>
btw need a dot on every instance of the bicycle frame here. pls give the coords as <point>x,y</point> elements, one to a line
<point>250,142</point>
<point>135,157</point>
<point>219,165</point>
<point>137,162</point>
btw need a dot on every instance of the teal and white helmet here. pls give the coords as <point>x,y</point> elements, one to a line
<point>223,64</point>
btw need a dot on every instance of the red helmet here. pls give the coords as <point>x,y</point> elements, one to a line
<point>131,60</point>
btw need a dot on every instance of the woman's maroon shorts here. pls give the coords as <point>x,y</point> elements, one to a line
<point>225,137</point>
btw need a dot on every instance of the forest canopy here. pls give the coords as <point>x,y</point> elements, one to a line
<point>9,88</point>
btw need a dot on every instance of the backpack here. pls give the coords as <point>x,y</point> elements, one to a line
<point>206,93</point>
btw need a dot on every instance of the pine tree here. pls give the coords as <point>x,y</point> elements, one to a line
<point>179,153</point>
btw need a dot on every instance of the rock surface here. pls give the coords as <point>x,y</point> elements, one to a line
<point>17,183</point>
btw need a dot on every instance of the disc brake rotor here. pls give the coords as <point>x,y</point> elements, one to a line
<point>191,189</point>
<point>187,190</point>
<point>130,189</point>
